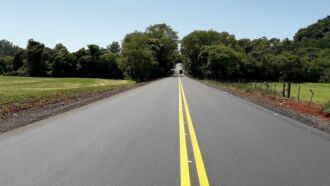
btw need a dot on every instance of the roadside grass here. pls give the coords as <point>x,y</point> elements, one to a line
<point>326,108</point>
<point>24,90</point>
<point>321,90</point>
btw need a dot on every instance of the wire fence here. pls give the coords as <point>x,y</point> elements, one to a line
<point>318,93</point>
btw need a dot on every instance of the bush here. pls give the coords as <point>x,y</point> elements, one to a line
<point>325,76</point>
<point>326,108</point>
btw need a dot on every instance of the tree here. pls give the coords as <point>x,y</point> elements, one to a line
<point>315,31</point>
<point>246,45</point>
<point>162,30</point>
<point>164,43</point>
<point>114,47</point>
<point>270,67</point>
<point>6,64</point>
<point>86,67</point>
<point>315,35</point>
<point>220,62</point>
<point>2,66</point>
<point>108,66</point>
<point>150,54</point>
<point>291,67</point>
<point>7,48</point>
<point>192,44</point>
<point>325,77</point>
<point>36,64</point>
<point>64,64</point>
<point>88,60</point>
<point>18,60</point>
<point>318,65</point>
<point>138,62</point>
<point>94,52</point>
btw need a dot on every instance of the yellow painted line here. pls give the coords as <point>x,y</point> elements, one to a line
<point>202,176</point>
<point>184,167</point>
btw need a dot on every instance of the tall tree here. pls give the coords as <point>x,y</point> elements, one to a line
<point>18,60</point>
<point>162,30</point>
<point>192,44</point>
<point>138,61</point>
<point>36,65</point>
<point>291,67</point>
<point>114,47</point>
<point>220,62</point>
<point>64,63</point>
<point>7,48</point>
<point>164,42</point>
<point>108,66</point>
<point>6,64</point>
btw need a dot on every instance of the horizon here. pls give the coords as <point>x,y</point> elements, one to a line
<point>103,22</point>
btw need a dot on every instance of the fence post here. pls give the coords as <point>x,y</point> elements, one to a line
<point>289,90</point>
<point>275,89</point>
<point>310,101</point>
<point>267,88</point>
<point>283,92</point>
<point>298,93</point>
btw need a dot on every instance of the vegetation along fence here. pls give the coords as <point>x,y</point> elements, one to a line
<point>318,93</point>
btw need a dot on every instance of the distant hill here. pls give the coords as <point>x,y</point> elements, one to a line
<point>315,35</point>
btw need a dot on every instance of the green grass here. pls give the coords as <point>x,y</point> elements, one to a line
<point>321,90</point>
<point>326,108</point>
<point>31,89</point>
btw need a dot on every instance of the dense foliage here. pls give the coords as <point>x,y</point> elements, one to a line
<point>145,56</point>
<point>7,48</point>
<point>150,54</point>
<point>38,60</point>
<point>211,54</point>
<point>315,35</point>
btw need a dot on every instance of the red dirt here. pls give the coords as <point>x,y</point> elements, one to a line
<point>312,110</point>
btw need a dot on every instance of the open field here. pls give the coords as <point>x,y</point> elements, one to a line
<point>321,90</point>
<point>18,90</point>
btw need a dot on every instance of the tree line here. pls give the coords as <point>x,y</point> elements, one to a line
<point>144,56</point>
<point>152,54</point>
<point>218,55</point>
<point>38,60</point>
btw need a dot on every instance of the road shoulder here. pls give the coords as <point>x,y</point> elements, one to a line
<point>305,119</point>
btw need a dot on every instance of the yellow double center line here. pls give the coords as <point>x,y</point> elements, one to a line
<point>184,164</point>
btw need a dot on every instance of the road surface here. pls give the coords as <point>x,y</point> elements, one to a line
<point>166,134</point>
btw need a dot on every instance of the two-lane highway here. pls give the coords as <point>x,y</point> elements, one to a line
<point>135,138</point>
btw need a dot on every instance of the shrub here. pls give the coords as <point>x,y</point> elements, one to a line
<point>326,108</point>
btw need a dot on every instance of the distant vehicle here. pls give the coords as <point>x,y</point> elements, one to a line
<point>180,71</point>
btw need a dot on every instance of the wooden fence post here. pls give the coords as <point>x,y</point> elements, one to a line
<point>310,101</point>
<point>267,88</point>
<point>283,92</point>
<point>289,90</point>
<point>298,93</point>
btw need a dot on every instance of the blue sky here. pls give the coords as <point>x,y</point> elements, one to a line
<point>76,23</point>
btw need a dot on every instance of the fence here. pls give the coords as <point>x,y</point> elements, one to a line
<point>318,93</point>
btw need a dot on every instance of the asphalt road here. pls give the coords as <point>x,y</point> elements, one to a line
<point>134,139</point>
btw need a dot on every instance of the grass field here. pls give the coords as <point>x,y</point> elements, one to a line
<point>321,90</point>
<point>30,89</point>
